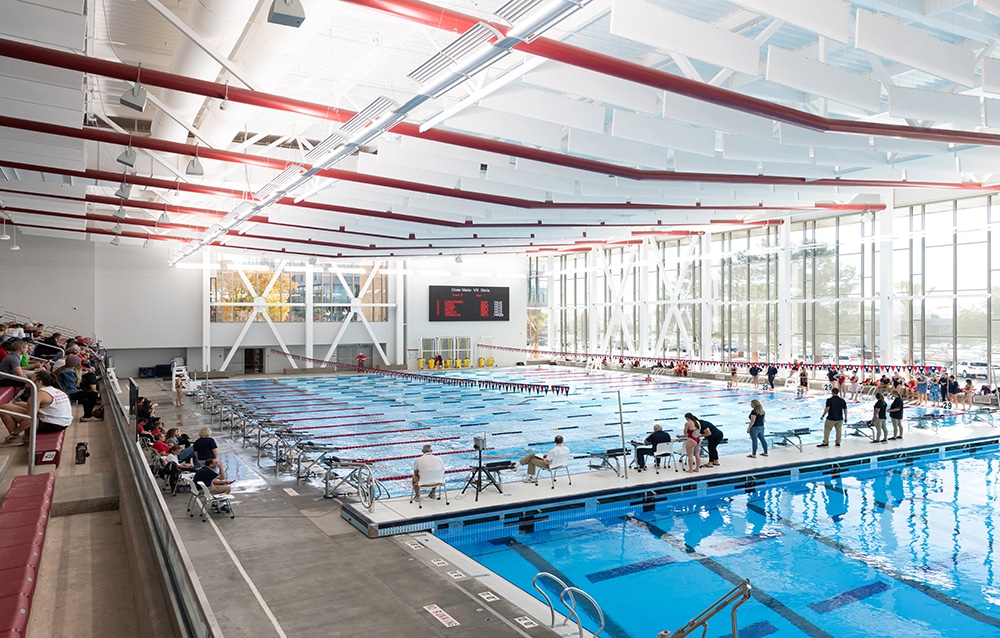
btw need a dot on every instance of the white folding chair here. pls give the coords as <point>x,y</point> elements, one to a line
<point>665,451</point>
<point>433,479</point>
<point>205,499</point>
<point>553,470</point>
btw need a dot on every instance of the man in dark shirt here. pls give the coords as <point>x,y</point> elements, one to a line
<point>896,414</point>
<point>772,372</point>
<point>835,412</point>
<point>209,475</point>
<point>657,436</point>
<point>754,373</point>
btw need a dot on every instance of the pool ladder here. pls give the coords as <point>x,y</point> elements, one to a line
<point>738,595</point>
<point>567,596</point>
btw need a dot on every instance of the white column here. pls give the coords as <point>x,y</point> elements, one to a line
<point>399,319</point>
<point>706,297</point>
<point>206,311</point>
<point>784,308</point>
<point>885,292</point>
<point>310,269</point>
<point>642,336</point>
<point>594,265</point>
<point>549,308</point>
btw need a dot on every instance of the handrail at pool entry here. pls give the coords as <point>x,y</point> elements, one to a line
<point>567,592</point>
<point>738,595</point>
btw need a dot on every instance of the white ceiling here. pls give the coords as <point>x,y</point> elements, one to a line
<point>626,116</point>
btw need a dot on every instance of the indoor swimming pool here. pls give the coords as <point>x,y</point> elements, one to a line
<point>839,551</point>
<point>384,420</point>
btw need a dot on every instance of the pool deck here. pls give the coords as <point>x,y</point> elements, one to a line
<point>402,514</point>
<point>293,563</point>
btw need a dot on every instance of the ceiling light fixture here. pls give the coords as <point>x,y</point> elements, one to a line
<point>123,191</point>
<point>194,167</point>
<point>117,240</point>
<point>287,13</point>
<point>120,213</point>
<point>136,96</point>
<point>117,229</point>
<point>164,218</point>
<point>128,156</point>
<point>4,236</point>
<point>145,244</point>
<point>14,246</point>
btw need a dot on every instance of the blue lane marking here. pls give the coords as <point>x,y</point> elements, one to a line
<point>754,630</point>
<point>577,416</point>
<point>848,597</point>
<point>626,570</point>
<point>537,418</point>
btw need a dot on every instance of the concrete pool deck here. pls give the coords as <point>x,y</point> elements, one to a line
<point>290,564</point>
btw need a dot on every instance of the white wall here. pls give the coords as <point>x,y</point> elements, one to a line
<point>146,314</point>
<point>50,280</point>
<point>484,270</point>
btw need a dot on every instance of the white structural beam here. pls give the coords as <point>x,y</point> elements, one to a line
<point>812,76</point>
<point>828,18</point>
<point>640,21</point>
<point>890,38</point>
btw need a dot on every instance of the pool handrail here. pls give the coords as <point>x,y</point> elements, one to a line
<point>565,592</point>
<point>738,594</point>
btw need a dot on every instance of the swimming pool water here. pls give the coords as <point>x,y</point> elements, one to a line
<point>905,551</point>
<point>385,419</point>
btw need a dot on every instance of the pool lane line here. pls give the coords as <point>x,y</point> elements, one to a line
<point>408,442</point>
<point>733,578</point>
<point>350,434</point>
<point>343,425</point>
<point>537,561</point>
<point>939,596</point>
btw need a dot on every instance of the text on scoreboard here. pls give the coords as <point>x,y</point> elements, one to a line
<point>469,303</point>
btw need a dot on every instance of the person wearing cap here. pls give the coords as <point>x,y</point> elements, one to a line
<point>426,462</point>
<point>69,380</point>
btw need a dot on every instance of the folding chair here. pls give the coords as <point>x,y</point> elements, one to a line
<point>553,469</point>
<point>206,500</point>
<point>665,451</point>
<point>433,479</point>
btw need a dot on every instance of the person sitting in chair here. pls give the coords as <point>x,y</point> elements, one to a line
<point>211,475</point>
<point>425,463</point>
<point>657,436</point>
<point>556,457</point>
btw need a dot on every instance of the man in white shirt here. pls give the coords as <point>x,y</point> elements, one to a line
<point>556,457</point>
<point>425,464</point>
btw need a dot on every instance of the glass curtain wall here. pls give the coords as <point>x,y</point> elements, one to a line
<point>930,269</point>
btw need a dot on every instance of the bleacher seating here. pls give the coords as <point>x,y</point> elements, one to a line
<point>48,448</point>
<point>24,516</point>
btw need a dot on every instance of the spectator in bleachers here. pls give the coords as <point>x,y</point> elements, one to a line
<point>48,347</point>
<point>11,363</point>
<point>55,413</point>
<point>160,444</point>
<point>69,377</point>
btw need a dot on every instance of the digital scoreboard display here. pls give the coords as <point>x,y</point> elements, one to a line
<point>469,303</point>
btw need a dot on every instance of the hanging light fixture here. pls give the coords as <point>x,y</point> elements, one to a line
<point>117,229</point>
<point>14,246</point>
<point>194,167</point>
<point>4,236</point>
<point>117,240</point>
<point>164,218</point>
<point>135,97</point>
<point>120,213</point>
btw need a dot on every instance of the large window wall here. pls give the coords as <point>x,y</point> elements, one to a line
<point>914,285</point>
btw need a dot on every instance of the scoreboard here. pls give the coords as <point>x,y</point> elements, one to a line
<point>469,303</point>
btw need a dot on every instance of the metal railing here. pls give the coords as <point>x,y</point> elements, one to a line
<point>735,597</point>
<point>567,596</point>
<point>186,600</point>
<point>32,415</point>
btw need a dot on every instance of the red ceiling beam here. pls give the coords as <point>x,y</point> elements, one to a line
<point>425,14</point>
<point>440,18</point>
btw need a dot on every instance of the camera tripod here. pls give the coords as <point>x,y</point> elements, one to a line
<point>483,475</point>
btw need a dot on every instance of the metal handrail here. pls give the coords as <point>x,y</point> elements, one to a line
<point>32,414</point>
<point>192,614</point>
<point>566,592</point>
<point>739,595</point>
